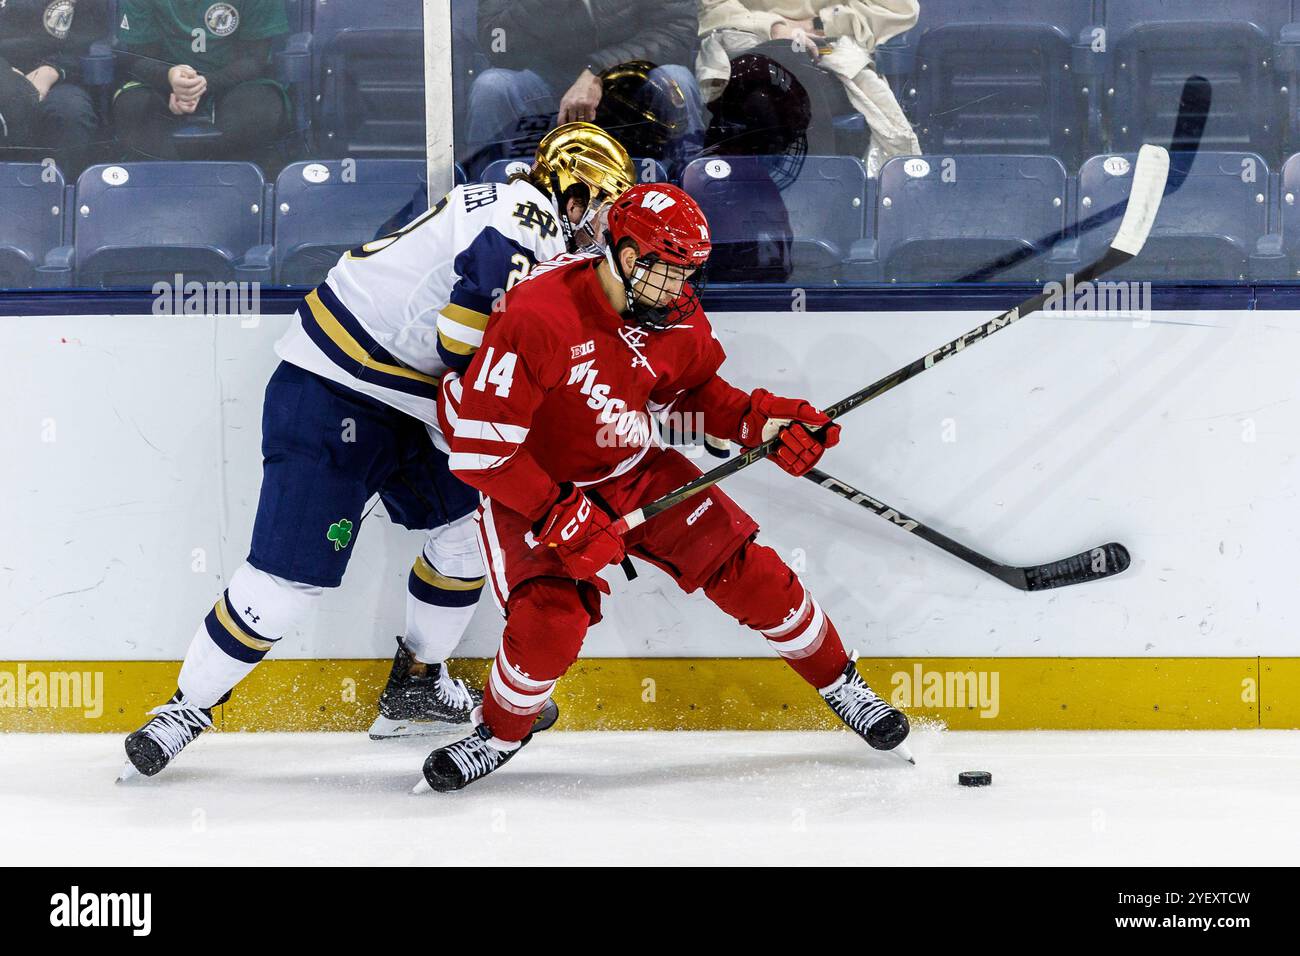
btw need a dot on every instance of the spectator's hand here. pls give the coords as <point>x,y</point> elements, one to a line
<point>43,78</point>
<point>580,101</point>
<point>799,33</point>
<point>180,107</point>
<point>186,83</point>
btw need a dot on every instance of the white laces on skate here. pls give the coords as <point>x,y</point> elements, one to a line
<point>857,704</point>
<point>175,724</point>
<point>475,757</point>
<point>453,693</point>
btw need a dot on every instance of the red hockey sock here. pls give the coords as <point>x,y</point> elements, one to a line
<point>757,588</point>
<point>544,630</point>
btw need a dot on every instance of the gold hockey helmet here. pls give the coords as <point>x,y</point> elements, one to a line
<point>582,161</point>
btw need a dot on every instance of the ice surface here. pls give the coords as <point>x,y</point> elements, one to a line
<point>1185,797</point>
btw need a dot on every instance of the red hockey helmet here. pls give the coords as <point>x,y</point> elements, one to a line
<point>672,243</point>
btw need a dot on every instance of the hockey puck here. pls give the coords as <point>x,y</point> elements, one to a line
<point>974,778</point>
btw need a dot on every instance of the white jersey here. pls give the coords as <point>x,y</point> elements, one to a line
<point>396,314</point>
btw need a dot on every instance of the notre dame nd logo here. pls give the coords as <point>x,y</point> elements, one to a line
<point>534,216</point>
<point>222,19</point>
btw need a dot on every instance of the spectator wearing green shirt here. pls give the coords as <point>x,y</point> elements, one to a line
<point>204,60</point>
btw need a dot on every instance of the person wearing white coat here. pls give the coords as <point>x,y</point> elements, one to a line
<point>841,38</point>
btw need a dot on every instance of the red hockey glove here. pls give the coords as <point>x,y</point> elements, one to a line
<point>581,533</point>
<point>799,449</point>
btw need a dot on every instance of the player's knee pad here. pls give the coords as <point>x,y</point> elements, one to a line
<point>266,605</point>
<point>755,587</point>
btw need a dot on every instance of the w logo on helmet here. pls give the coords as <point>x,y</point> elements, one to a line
<point>658,201</point>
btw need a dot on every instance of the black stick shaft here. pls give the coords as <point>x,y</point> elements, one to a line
<point>1010,575</point>
<point>1112,259</point>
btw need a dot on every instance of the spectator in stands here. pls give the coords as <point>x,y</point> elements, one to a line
<point>44,112</point>
<point>200,63</point>
<point>548,59</point>
<point>840,38</point>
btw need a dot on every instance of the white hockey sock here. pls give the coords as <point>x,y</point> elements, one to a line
<point>256,610</point>
<point>442,591</point>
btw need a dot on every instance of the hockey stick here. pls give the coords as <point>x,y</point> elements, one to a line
<point>1149,178</point>
<point>1193,110</point>
<point>1094,564</point>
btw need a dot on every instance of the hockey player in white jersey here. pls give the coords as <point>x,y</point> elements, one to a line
<point>351,412</point>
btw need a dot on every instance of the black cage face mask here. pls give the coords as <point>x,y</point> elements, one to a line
<point>655,283</point>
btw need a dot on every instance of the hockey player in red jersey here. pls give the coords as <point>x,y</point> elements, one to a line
<point>553,422</point>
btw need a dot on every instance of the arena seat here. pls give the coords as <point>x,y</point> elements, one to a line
<point>941,218</point>
<point>138,223</point>
<point>1157,44</point>
<point>997,77</point>
<point>33,244</point>
<point>319,215</point>
<point>762,233</point>
<point>1288,218</point>
<point>1214,226</point>
<point>368,68</point>
<point>499,171</point>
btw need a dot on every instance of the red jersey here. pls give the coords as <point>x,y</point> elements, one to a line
<point>564,388</point>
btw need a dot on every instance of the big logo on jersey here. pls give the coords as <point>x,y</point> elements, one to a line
<point>620,426</point>
<point>534,216</point>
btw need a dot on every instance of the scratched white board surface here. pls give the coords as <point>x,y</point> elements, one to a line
<point>130,465</point>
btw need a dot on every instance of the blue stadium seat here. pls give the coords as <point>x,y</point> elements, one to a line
<point>368,65</point>
<point>1289,216</point>
<point>33,245</point>
<point>1157,44</point>
<point>1214,226</point>
<point>319,215</point>
<point>499,171</point>
<point>138,223</point>
<point>998,77</point>
<point>759,231</point>
<point>941,218</point>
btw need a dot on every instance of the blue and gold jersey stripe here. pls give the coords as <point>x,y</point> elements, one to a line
<point>338,334</point>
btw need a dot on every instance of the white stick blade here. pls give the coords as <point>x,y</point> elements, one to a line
<point>1144,200</point>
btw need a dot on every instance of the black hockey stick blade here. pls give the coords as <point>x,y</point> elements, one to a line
<point>1189,126</point>
<point>1105,561</point>
<point>1092,565</point>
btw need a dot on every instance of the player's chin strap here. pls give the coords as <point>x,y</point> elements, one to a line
<point>641,313</point>
<point>558,201</point>
<point>571,232</point>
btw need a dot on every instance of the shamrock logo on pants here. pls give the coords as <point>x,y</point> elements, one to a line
<point>340,533</point>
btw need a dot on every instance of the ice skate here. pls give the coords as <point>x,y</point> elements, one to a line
<point>174,726</point>
<point>422,699</point>
<point>457,765</point>
<point>875,721</point>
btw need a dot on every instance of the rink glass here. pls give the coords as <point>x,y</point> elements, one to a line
<point>1026,115</point>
